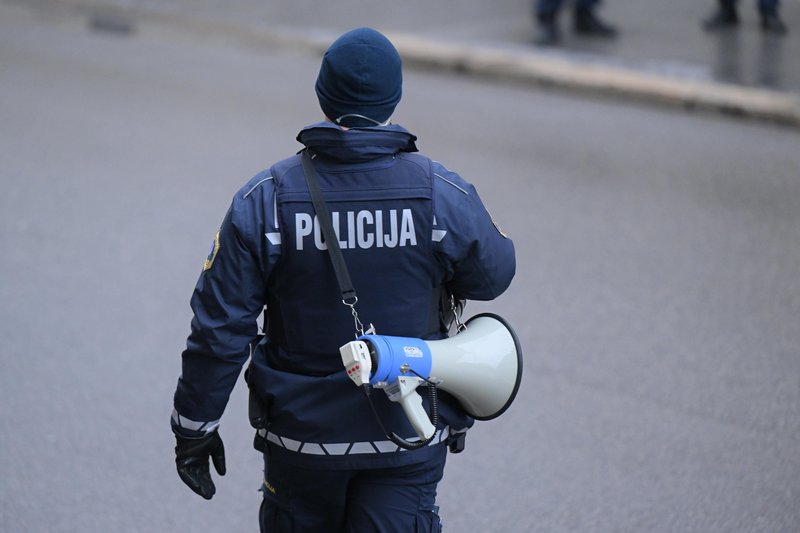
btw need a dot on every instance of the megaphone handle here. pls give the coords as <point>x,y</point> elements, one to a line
<point>394,437</point>
<point>412,406</point>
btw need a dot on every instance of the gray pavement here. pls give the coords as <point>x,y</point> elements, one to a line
<point>661,56</point>
<point>657,296</point>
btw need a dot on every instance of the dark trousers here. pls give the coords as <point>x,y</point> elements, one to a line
<point>390,500</point>
<point>551,7</point>
<point>765,6</point>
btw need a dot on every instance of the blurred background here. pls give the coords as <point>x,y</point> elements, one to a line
<point>658,289</point>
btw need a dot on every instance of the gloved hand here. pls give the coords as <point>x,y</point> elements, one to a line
<point>191,458</point>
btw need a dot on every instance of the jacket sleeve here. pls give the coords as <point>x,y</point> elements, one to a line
<point>478,257</point>
<point>227,301</point>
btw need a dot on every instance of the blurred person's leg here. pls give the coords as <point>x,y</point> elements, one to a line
<point>546,13</point>
<point>770,18</point>
<point>724,16</point>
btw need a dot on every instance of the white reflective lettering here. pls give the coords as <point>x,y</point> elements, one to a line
<point>407,234</point>
<point>351,232</point>
<point>379,228</point>
<point>303,228</point>
<point>390,239</point>
<point>318,235</point>
<point>365,240</point>
<point>360,229</point>
<point>335,222</point>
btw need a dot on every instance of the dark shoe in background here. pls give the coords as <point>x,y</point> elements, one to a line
<point>587,23</point>
<point>772,23</point>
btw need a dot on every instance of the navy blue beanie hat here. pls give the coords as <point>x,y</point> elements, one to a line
<point>361,74</point>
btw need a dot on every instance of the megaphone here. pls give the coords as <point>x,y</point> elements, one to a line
<point>481,367</point>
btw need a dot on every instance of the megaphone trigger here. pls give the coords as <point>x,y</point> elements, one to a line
<point>404,391</point>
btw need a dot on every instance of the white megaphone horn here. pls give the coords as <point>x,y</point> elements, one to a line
<point>481,367</point>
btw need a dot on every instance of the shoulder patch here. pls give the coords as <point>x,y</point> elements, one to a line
<point>212,254</point>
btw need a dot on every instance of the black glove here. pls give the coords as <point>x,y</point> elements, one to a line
<point>191,458</point>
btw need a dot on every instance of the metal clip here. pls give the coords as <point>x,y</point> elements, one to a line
<point>456,315</point>
<point>357,321</point>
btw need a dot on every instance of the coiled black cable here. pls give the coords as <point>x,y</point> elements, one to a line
<point>394,437</point>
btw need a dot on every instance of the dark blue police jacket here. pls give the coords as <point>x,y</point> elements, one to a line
<point>408,228</point>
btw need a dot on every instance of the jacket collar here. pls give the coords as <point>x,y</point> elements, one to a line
<point>356,144</point>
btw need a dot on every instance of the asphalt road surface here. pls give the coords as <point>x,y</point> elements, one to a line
<point>657,295</point>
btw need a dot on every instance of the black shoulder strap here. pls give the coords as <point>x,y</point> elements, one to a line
<point>324,217</point>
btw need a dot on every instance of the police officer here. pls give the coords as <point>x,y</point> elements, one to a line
<point>726,16</point>
<point>412,232</point>
<point>585,21</point>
